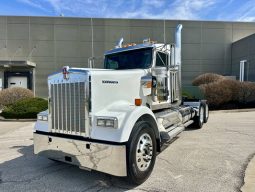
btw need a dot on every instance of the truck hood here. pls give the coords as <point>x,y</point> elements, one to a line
<point>106,86</point>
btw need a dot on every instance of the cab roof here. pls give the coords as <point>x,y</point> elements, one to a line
<point>128,48</point>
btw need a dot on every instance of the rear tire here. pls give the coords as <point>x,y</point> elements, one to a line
<point>141,153</point>
<point>199,120</point>
<point>206,114</point>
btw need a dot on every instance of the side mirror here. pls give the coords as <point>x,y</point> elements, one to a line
<point>146,84</point>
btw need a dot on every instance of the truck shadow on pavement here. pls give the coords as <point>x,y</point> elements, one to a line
<point>30,172</point>
<point>192,128</point>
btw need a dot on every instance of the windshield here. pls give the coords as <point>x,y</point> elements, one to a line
<point>134,59</point>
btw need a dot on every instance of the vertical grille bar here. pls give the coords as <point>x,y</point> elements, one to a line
<point>79,97</point>
<point>82,107</point>
<point>68,107</point>
<point>60,107</point>
<point>57,109</point>
<point>77,109</point>
<point>52,97</point>
<point>72,110</point>
<point>64,107</point>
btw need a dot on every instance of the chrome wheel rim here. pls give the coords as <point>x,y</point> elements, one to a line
<point>201,115</point>
<point>144,152</point>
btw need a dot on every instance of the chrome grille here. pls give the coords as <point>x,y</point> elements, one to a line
<point>68,108</point>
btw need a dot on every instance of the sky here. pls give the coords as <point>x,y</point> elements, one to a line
<point>219,10</point>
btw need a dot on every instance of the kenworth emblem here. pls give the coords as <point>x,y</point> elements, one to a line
<point>65,71</point>
<point>110,82</point>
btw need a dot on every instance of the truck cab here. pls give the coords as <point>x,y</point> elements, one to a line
<point>116,119</point>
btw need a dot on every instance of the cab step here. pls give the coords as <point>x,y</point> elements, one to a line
<point>168,136</point>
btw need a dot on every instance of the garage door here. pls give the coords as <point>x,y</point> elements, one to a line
<point>17,81</point>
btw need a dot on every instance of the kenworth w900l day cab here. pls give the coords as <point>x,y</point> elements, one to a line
<point>116,119</point>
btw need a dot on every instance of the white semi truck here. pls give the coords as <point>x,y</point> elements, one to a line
<point>116,119</point>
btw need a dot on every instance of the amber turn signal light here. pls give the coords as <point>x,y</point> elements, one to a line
<point>138,102</point>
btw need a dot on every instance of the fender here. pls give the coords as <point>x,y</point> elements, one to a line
<point>127,116</point>
<point>136,114</point>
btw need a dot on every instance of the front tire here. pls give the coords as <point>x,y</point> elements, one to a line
<point>141,152</point>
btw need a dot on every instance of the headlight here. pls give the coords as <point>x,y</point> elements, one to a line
<point>107,122</point>
<point>101,122</point>
<point>39,117</point>
<point>42,117</point>
<point>45,118</point>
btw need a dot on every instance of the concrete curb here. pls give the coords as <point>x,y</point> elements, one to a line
<point>249,178</point>
<point>233,110</point>
<point>16,120</point>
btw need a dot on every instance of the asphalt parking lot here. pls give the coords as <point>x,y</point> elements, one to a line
<point>211,159</point>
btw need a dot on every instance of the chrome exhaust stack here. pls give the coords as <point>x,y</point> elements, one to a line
<point>178,45</point>
<point>178,58</point>
<point>119,43</point>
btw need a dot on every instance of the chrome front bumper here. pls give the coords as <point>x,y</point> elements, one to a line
<point>106,158</point>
